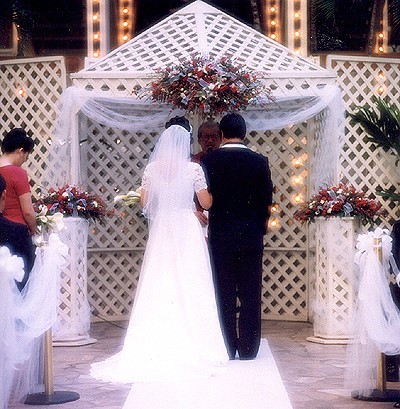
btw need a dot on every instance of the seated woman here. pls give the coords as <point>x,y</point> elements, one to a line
<point>16,147</point>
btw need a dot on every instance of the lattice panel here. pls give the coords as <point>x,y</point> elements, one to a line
<point>335,275</point>
<point>113,162</point>
<point>29,93</point>
<point>285,285</point>
<point>250,48</point>
<point>200,27</point>
<point>73,317</point>
<point>113,276</point>
<point>361,79</point>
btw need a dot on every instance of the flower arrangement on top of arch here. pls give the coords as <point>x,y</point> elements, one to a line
<point>209,87</point>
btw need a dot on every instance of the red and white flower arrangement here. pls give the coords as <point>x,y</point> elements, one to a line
<point>342,200</point>
<point>208,87</point>
<point>72,201</point>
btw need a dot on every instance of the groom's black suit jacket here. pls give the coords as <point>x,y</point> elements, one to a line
<point>16,237</point>
<point>240,183</point>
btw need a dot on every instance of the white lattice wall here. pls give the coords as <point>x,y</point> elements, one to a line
<point>114,161</point>
<point>29,93</point>
<point>361,79</point>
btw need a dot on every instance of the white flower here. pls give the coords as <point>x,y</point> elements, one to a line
<point>119,198</point>
<point>133,193</point>
<point>57,221</point>
<point>11,265</point>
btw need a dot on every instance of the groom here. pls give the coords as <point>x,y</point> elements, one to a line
<point>240,183</point>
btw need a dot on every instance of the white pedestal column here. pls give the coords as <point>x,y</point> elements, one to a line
<point>334,279</point>
<point>73,311</point>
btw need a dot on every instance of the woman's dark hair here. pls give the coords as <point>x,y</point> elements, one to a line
<point>179,120</point>
<point>17,139</point>
<point>233,125</point>
<point>2,185</point>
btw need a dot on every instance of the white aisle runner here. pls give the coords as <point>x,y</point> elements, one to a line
<point>254,384</point>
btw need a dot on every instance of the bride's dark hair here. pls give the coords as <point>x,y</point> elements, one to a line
<point>181,121</point>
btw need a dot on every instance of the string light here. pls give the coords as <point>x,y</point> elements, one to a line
<point>297,198</point>
<point>20,92</point>
<point>96,17</point>
<point>274,223</point>
<point>274,208</point>
<point>125,22</point>
<point>297,180</point>
<point>297,163</point>
<point>272,19</point>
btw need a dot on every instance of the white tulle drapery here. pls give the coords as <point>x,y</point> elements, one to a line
<point>135,115</point>
<point>376,320</point>
<point>25,317</point>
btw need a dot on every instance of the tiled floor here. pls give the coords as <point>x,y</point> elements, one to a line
<point>312,373</point>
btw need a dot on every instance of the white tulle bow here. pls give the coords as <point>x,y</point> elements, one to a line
<point>11,265</point>
<point>366,250</point>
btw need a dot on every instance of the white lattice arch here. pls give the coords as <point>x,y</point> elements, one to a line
<point>200,27</point>
<point>113,160</point>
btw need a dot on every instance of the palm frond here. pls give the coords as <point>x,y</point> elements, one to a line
<point>381,124</point>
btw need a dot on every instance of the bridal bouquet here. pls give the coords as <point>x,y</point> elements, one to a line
<point>208,86</point>
<point>343,200</point>
<point>129,199</point>
<point>72,201</point>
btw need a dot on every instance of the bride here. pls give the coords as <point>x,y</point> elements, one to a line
<point>174,332</point>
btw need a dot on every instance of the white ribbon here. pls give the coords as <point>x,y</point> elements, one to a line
<point>376,319</point>
<point>11,265</point>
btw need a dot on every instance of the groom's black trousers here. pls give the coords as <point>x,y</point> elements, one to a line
<point>238,275</point>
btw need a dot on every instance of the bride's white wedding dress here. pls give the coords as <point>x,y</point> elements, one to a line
<point>174,332</point>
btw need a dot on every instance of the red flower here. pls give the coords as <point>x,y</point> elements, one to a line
<point>342,200</point>
<point>73,201</point>
<point>208,87</point>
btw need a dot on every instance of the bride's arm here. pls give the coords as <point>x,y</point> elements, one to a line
<point>205,198</point>
<point>143,197</point>
<point>200,185</point>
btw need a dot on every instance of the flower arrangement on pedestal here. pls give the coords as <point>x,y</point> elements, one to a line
<point>208,87</point>
<point>342,200</point>
<point>72,201</point>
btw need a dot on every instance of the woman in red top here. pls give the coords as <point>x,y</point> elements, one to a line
<point>16,147</point>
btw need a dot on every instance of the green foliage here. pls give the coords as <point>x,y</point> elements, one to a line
<point>381,124</point>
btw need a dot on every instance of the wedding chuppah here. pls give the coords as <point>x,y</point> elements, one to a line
<point>104,134</point>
